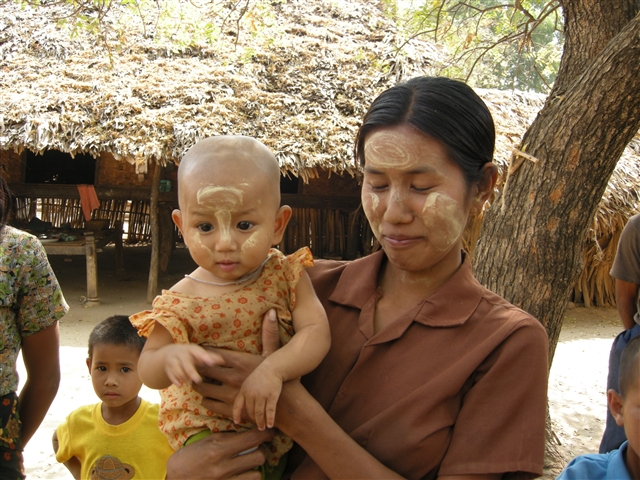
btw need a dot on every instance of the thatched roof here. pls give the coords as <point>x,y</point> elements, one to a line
<point>300,81</point>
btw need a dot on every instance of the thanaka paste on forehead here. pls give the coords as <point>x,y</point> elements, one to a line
<point>214,189</point>
<point>383,150</point>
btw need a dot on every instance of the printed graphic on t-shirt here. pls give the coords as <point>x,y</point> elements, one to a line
<point>110,468</point>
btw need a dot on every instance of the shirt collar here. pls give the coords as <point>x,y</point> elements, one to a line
<point>449,306</point>
<point>617,468</point>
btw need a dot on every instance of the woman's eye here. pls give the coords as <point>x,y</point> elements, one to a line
<point>421,189</point>
<point>378,188</point>
<point>244,225</point>
<point>205,227</point>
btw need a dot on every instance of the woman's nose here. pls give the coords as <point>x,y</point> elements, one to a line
<point>396,210</point>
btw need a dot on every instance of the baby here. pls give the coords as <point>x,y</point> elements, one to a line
<point>230,217</point>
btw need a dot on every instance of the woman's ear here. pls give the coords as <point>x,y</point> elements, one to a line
<point>614,399</point>
<point>282,219</point>
<point>484,187</point>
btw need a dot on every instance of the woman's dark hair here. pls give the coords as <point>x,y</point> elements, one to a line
<point>116,330</point>
<point>444,109</point>
<point>6,202</point>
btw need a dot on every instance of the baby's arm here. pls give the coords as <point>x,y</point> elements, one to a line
<point>163,362</point>
<point>306,349</point>
<point>73,464</point>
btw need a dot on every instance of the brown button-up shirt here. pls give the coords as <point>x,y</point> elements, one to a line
<point>456,386</point>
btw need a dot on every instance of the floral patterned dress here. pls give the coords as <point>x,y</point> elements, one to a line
<point>30,300</point>
<point>232,320</point>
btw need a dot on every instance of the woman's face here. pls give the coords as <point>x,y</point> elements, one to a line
<point>416,199</point>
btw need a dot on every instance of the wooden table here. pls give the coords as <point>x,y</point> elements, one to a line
<point>87,244</point>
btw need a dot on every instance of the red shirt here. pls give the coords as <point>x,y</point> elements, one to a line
<point>456,386</point>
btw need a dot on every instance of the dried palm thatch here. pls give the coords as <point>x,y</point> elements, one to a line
<point>300,81</point>
<point>299,78</point>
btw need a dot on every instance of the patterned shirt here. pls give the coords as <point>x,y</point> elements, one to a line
<point>30,298</point>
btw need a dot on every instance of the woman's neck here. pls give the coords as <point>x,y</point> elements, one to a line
<point>403,290</point>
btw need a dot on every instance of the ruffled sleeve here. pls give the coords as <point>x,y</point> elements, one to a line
<point>168,310</point>
<point>296,263</point>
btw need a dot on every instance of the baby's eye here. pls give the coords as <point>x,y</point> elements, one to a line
<point>205,227</point>
<point>244,225</point>
<point>125,369</point>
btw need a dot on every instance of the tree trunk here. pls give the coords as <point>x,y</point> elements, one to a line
<point>530,247</point>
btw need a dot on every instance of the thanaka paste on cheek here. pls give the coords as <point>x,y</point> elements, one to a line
<point>442,216</point>
<point>370,202</point>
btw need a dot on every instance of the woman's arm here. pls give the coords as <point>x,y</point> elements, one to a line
<point>626,301</point>
<point>40,353</point>
<point>298,416</point>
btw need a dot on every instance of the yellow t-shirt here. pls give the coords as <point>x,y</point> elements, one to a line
<point>134,449</point>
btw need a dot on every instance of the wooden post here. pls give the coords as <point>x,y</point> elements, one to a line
<point>120,273</point>
<point>92,270</point>
<point>152,286</point>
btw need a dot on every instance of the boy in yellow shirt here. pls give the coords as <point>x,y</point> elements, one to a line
<point>120,435</point>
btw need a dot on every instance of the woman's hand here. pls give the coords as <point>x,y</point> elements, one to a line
<point>217,456</point>
<point>222,382</point>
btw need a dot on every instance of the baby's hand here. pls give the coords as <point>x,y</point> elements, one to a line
<point>259,396</point>
<point>181,362</point>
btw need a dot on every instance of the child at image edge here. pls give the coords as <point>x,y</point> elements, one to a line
<point>623,463</point>
<point>230,217</point>
<point>118,437</point>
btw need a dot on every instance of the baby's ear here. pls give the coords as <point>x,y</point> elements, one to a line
<point>282,220</point>
<point>614,399</point>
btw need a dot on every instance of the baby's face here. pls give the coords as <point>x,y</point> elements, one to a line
<point>228,220</point>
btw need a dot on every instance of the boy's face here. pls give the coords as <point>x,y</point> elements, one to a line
<point>114,373</point>
<point>229,217</point>
<point>631,416</point>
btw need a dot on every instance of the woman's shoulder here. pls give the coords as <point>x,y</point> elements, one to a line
<point>14,238</point>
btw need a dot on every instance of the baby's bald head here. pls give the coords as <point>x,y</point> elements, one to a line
<point>229,161</point>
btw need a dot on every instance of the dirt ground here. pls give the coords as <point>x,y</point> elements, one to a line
<point>576,386</point>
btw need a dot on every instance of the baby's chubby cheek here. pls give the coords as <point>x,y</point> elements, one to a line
<point>443,219</point>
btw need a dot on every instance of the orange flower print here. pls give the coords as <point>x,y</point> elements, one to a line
<point>217,325</point>
<point>216,306</point>
<point>247,333</point>
<point>267,282</point>
<point>240,344</point>
<point>228,300</point>
<point>242,300</point>
<point>237,323</point>
<point>278,267</point>
<point>215,335</point>
<point>198,309</point>
<point>175,301</point>
<point>203,327</point>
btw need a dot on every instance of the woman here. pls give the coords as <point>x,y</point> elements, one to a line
<point>429,374</point>
<point>31,303</point>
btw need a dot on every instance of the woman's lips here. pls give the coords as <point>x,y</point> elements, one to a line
<point>399,241</point>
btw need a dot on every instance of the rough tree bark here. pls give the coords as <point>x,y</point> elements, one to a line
<point>530,246</point>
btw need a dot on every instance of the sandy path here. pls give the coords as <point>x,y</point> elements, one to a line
<point>576,386</point>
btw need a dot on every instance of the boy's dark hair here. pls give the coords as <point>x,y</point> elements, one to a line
<point>116,330</point>
<point>629,367</point>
